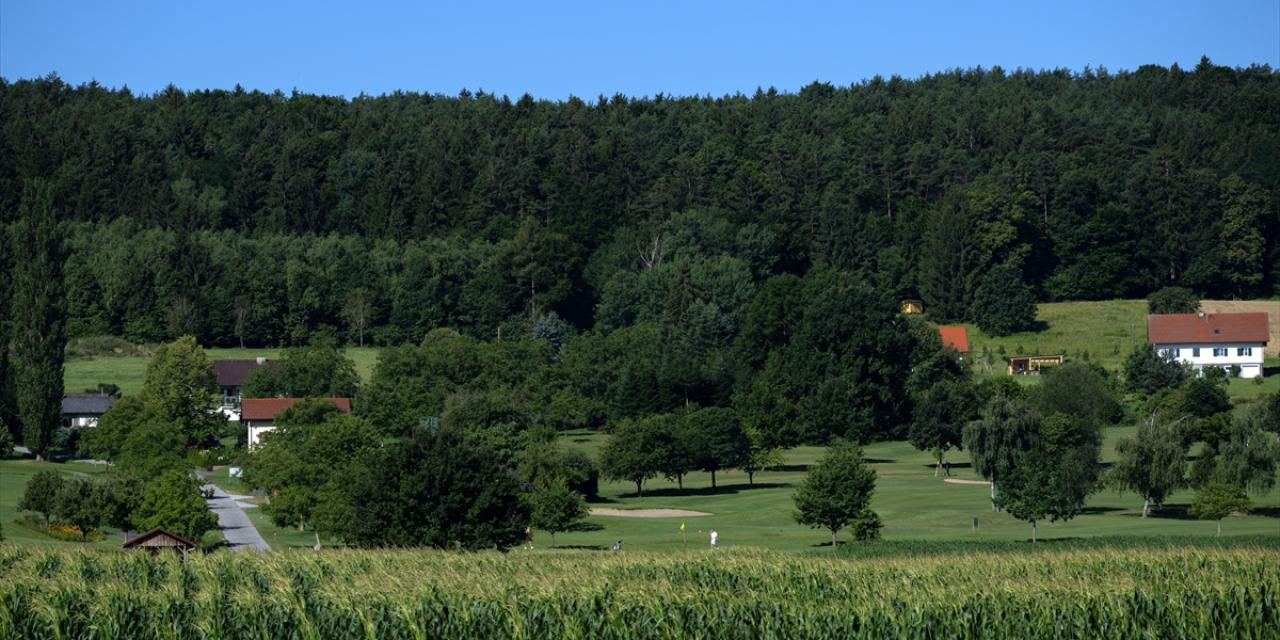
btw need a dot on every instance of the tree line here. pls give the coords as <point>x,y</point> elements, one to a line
<point>238,216</point>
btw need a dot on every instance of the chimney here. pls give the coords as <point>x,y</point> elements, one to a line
<point>261,360</point>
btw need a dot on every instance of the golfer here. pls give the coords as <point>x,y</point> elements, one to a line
<point>714,536</point>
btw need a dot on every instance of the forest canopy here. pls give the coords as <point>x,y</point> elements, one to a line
<point>268,219</point>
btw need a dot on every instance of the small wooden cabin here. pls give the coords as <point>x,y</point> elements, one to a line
<point>159,539</point>
<point>911,306</point>
<point>1030,365</point>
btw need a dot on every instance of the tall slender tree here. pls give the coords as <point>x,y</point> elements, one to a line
<point>39,323</point>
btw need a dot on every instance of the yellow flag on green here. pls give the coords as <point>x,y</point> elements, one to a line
<point>682,526</point>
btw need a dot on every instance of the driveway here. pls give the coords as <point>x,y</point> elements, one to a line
<point>234,522</point>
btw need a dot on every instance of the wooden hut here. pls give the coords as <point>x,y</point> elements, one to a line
<point>159,539</point>
<point>1030,365</point>
<point>911,306</point>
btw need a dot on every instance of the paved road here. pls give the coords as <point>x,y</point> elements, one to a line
<point>236,527</point>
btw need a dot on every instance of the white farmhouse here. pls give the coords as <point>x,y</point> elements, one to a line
<point>259,414</point>
<point>1222,340</point>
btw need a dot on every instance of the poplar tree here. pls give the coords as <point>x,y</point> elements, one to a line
<point>39,323</point>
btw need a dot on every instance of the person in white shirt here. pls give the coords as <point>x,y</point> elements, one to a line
<point>714,537</point>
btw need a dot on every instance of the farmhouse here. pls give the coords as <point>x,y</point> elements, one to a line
<point>84,410</point>
<point>1222,340</point>
<point>231,375</point>
<point>956,339</point>
<point>259,414</point>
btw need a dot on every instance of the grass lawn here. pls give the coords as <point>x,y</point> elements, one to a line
<point>128,371</point>
<point>14,474</point>
<point>913,504</point>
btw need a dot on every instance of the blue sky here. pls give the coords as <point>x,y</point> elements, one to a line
<point>603,47</point>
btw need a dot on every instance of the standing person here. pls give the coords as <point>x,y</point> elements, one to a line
<point>714,536</point>
<point>528,536</point>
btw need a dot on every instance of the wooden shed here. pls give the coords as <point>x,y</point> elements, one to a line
<point>911,306</point>
<point>1030,365</point>
<point>159,539</point>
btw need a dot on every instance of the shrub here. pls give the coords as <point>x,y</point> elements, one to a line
<point>1173,300</point>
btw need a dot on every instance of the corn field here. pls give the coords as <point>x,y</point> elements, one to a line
<point>1149,593</point>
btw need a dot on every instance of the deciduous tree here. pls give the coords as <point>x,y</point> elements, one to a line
<point>837,490</point>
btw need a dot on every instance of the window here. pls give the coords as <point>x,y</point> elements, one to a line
<point>1219,352</point>
<point>1195,352</point>
<point>1169,353</point>
<point>1244,351</point>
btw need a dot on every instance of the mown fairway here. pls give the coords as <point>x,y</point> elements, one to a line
<point>1153,591</point>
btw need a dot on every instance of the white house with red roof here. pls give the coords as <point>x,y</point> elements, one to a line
<point>1222,340</point>
<point>259,414</point>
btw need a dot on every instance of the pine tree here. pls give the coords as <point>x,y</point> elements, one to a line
<point>39,323</point>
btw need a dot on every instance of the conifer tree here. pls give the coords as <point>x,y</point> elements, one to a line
<point>39,324</point>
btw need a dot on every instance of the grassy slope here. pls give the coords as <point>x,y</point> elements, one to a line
<point>14,475</point>
<point>127,371</point>
<point>912,503</point>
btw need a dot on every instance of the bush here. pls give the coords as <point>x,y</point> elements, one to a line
<point>1003,303</point>
<point>1173,300</point>
<point>1148,371</point>
<point>94,346</point>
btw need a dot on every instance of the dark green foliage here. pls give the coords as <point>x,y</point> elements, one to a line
<point>638,450</point>
<point>1053,480</point>
<point>1081,390</point>
<point>1005,431</point>
<point>1219,500</point>
<point>41,493</point>
<point>271,219</point>
<point>1149,371</point>
<point>1245,455</point>
<point>715,438</point>
<point>306,466</point>
<point>842,373</point>
<point>436,490</point>
<point>1152,462</point>
<point>1173,300</point>
<point>837,492</point>
<point>554,507</point>
<point>79,503</point>
<point>319,370</point>
<point>38,308</point>
<point>1002,303</point>
<point>172,500</point>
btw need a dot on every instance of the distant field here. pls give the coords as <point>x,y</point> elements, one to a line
<point>128,371</point>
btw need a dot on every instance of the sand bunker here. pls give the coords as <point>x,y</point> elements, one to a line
<point>648,513</point>
<point>959,481</point>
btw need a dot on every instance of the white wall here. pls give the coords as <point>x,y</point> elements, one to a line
<point>1250,363</point>
<point>256,431</point>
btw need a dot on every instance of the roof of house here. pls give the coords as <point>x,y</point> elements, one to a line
<point>232,373</point>
<point>1192,328</point>
<point>158,537</point>
<point>955,337</point>
<point>267,408</point>
<point>90,404</point>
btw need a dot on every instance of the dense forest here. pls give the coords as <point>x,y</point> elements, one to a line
<point>265,219</point>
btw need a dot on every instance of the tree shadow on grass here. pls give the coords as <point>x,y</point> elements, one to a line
<point>1266,512</point>
<point>789,468</point>
<point>579,547</point>
<point>1093,511</point>
<point>954,465</point>
<point>724,489</point>
<point>585,526</point>
<point>1171,512</point>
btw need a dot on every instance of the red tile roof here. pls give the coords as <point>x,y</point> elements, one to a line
<point>267,408</point>
<point>954,337</point>
<point>1192,328</point>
